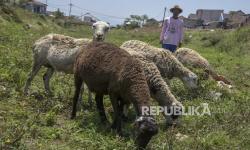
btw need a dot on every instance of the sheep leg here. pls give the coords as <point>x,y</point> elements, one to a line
<point>46,78</point>
<point>36,67</point>
<point>90,99</point>
<point>80,100</point>
<point>125,113</point>
<point>78,85</point>
<point>100,107</point>
<point>118,110</point>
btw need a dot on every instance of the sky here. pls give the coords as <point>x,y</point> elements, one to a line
<point>114,11</point>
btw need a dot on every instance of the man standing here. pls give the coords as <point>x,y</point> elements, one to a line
<point>172,30</point>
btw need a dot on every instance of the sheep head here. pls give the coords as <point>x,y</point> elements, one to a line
<point>190,80</point>
<point>100,29</point>
<point>146,127</point>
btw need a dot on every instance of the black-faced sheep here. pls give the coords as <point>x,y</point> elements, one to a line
<point>107,69</point>
<point>189,57</point>
<point>166,62</point>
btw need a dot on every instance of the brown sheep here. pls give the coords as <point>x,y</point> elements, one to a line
<point>107,69</point>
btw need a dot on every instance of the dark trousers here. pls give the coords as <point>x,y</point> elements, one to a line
<point>169,47</point>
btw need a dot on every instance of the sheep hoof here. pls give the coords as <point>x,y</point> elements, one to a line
<point>104,119</point>
<point>49,94</point>
<point>125,118</point>
<point>113,126</point>
<point>25,93</point>
<point>105,123</point>
<point>73,116</point>
<point>121,134</point>
<point>173,123</point>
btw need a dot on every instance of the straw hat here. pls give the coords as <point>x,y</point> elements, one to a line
<point>176,7</point>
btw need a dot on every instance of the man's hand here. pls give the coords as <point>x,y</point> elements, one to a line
<point>161,41</point>
<point>180,45</point>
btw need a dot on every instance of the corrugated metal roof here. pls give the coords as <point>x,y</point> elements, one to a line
<point>36,3</point>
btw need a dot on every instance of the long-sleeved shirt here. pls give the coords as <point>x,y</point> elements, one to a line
<point>172,31</point>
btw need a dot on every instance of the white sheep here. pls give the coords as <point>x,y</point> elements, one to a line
<point>166,62</point>
<point>58,52</point>
<point>189,57</point>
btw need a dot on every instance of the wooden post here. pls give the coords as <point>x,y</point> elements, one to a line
<point>165,10</point>
<point>70,8</point>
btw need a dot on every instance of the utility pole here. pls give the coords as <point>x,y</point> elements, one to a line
<point>81,16</point>
<point>165,10</point>
<point>70,8</point>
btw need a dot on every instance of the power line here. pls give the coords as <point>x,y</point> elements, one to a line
<point>71,5</point>
<point>57,8</point>
<point>102,14</point>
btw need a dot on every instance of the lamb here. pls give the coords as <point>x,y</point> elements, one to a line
<point>107,69</point>
<point>58,52</point>
<point>190,57</point>
<point>167,64</point>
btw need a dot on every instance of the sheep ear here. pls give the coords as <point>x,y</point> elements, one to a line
<point>108,27</point>
<point>94,26</point>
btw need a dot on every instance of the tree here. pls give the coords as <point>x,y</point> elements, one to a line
<point>58,14</point>
<point>144,19</point>
<point>151,22</point>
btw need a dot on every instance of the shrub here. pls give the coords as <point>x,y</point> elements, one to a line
<point>39,23</point>
<point>50,119</point>
<point>9,14</point>
<point>211,39</point>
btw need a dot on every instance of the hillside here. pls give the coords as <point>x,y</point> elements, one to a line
<point>41,122</point>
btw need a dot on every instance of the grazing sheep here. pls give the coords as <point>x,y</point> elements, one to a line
<point>58,52</point>
<point>159,90</point>
<point>167,64</point>
<point>190,57</point>
<point>107,69</point>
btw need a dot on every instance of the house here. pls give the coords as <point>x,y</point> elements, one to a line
<point>191,23</point>
<point>238,18</point>
<point>88,18</point>
<point>35,6</point>
<point>208,18</point>
<point>247,20</point>
<point>192,16</point>
<point>209,15</point>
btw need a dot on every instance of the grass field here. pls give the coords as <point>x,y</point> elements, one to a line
<point>41,122</point>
